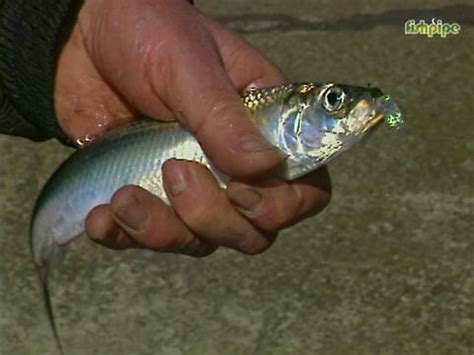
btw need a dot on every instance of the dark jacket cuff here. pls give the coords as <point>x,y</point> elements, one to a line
<point>31,36</point>
<point>32,33</point>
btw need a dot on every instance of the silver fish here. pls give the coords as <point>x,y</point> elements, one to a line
<point>310,123</point>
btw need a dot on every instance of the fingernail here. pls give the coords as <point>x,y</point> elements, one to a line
<point>247,199</point>
<point>131,212</point>
<point>253,144</point>
<point>175,178</point>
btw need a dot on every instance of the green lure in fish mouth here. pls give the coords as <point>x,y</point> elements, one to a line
<point>393,115</point>
<point>310,123</point>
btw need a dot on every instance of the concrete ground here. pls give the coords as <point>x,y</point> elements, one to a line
<point>386,269</point>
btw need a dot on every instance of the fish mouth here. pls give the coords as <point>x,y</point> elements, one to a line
<point>385,109</point>
<point>378,118</point>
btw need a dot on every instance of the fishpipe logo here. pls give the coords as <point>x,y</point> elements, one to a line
<point>436,28</point>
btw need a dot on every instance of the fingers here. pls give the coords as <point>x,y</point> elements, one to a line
<point>204,217</point>
<point>102,228</point>
<point>205,209</point>
<point>136,218</point>
<point>276,204</point>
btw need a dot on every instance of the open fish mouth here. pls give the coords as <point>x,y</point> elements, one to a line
<point>386,110</point>
<point>378,118</point>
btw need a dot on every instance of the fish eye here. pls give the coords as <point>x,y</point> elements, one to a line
<point>334,99</point>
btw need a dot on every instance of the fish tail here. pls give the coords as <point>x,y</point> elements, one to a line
<point>43,274</point>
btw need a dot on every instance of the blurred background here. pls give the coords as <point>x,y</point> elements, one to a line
<point>387,268</point>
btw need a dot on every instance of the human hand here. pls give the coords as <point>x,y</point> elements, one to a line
<point>167,60</point>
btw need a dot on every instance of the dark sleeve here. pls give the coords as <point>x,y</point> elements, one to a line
<point>31,35</point>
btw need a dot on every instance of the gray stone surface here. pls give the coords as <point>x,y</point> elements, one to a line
<point>386,269</point>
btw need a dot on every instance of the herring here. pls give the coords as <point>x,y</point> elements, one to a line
<point>310,123</point>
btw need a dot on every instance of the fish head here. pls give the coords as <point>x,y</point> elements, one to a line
<point>320,121</point>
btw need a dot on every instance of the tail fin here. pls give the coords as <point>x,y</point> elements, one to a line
<point>43,274</point>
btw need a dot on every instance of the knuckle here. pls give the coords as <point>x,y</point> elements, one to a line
<point>167,235</point>
<point>123,241</point>
<point>153,68</point>
<point>179,243</point>
<point>165,232</point>
<point>217,108</point>
<point>320,200</point>
<point>254,247</point>
<point>124,192</point>
<point>250,243</point>
<point>198,216</point>
<point>201,251</point>
<point>285,212</point>
<point>202,212</point>
<point>166,242</point>
<point>276,216</point>
<point>300,200</point>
